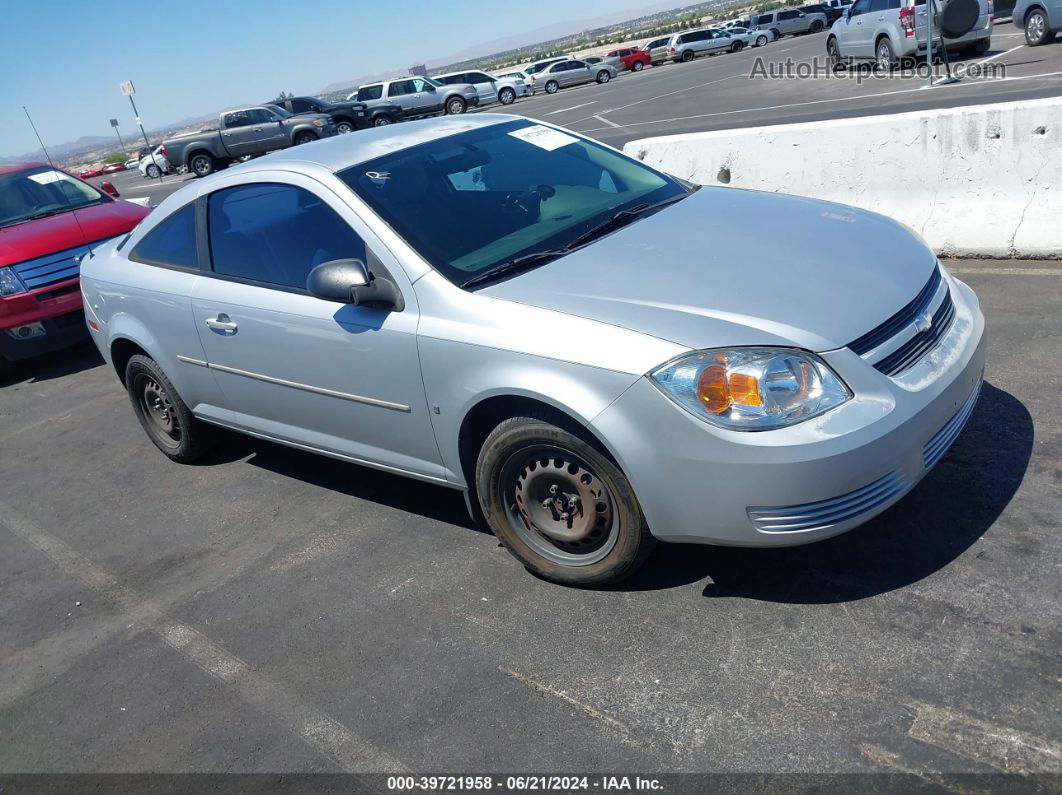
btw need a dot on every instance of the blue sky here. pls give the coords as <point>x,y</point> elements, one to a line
<point>64,59</point>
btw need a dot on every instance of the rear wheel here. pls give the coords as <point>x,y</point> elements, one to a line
<point>202,164</point>
<point>736,46</point>
<point>153,171</point>
<point>687,56</point>
<point>455,106</point>
<point>552,86</point>
<point>833,50</point>
<point>777,33</point>
<point>164,416</point>
<point>816,26</point>
<point>761,40</point>
<point>884,56</point>
<point>1036,30</point>
<point>559,505</point>
<point>507,96</point>
<point>382,120</point>
<point>637,66</point>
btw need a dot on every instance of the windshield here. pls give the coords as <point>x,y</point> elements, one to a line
<point>39,192</point>
<point>434,82</point>
<point>471,201</point>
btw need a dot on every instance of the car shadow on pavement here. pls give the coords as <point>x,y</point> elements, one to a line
<point>941,518</point>
<point>364,483</point>
<point>58,364</point>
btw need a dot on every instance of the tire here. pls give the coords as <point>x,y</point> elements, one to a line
<point>736,46</point>
<point>344,127</point>
<point>153,171</point>
<point>507,96</point>
<point>833,52</point>
<point>382,120</point>
<point>552,87</point>
<point>816,26</point>
<point>777,33</point>
<point>637,66</point>
<point>687,56</point>
<point>884,55</point>
<point>1037,31</point>
<point>522,498</point>
<point>305,137</point>
<point>603,76</point>
<point>202,164</point>
<point>761,41</point>
<point>162,414</point>
<point>6,369</point>
<point>455,106</point>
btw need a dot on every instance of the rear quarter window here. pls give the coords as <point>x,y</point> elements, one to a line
<point>172,243</point>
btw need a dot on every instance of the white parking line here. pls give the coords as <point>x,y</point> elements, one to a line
<point>606,121</point>
<point>653,98</point>
<point>573,107</point>
<point>998,54</point>
<point>321,732</point>
<point>994,81</point>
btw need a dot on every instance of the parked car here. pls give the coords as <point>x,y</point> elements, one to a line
<point>873,30</point>
<point>657,49</point>
<point>416,96</point>
<point>348,116</point>
<point>112,168</point>
<point>154,165</point>
<point>689,44</point>
<point>790,22</point>
<point>41,244</point>
<point>505,90</point>
<point>634,58</point>
<point>832,13</point>
<point>539,66</point>
<point>564,74</point>
<point>1040,19</point>
<point>340,301</point>
<point>752,38</point>
<point>522,75</point>
<point>89,173</point>
<point>132,162</point>
<point>248,131</point>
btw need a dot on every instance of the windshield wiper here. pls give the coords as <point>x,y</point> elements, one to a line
<point>526,262</point>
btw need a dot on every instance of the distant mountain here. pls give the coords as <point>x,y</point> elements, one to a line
<point>85,142</point>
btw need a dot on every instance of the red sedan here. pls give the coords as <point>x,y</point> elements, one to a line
<point>634,59</point>
<point>89,173</point>
<point>112,168</point>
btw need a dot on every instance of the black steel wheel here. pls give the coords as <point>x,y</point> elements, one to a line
<point>165,418</point>
<point>561,506</point>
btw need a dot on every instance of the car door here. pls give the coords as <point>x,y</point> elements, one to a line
<point>854,34</point>
<point>579,72</point>
<point>485,85</point>
<point>269,130</point>
<point>237,133</point>
<point>333,377</point>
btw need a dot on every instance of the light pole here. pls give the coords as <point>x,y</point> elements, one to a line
<point>121,143</point>
<point>127,90</point>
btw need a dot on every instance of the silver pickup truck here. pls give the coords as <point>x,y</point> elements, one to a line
<point>242,133</point>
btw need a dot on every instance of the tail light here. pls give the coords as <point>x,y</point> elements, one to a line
<point>907,21</point>
<point>162,150</point>
<point>991,12</point>
<point>671,49</point>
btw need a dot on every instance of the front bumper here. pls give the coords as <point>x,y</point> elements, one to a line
<point>702,484</point>
<point>60,331</point>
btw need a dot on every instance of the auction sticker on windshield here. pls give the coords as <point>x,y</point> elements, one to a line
<point>544,137</point>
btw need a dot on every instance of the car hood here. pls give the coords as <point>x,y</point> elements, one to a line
<point>60,232</point>
<point>734,267</point>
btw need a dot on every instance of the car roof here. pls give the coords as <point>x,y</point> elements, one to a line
<point>341,151</point>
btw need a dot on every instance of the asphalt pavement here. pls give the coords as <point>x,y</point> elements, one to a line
<point>270,610</point>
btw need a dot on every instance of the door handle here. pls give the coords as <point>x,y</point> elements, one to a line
<point>221,323</point>
<point>259,129</point>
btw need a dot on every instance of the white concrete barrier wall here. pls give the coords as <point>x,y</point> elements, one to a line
<point>984,180</point>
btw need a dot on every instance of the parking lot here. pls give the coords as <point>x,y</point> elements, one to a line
<point>269,610</point>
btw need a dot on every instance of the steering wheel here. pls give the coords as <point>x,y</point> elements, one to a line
<point>528,201</point>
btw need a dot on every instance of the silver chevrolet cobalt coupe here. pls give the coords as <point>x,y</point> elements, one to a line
<point>574,340</point>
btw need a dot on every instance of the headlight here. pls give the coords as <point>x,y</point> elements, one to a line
<point>752,389</point>
<point>9,282</point>
<point>319,122</point>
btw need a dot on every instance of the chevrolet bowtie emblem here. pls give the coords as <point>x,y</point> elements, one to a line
<point>924,322</point>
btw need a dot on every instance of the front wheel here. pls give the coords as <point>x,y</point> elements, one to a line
<point>163,415</point>
<point>637,66</point>
<point>305,138</point>
<point>507,96</point>
<point>1036,29</point>
<point>153,171</point>
<point>603,76</point>
<point>455,106</point>
<point>202,164</point>
<point>552,86</point>
<point>559,505</point>
<point>736,46</point>
<point>833,51</point>
<point>816,26</point>
<point>761,41</point>
<point>344,127</point>
<point>687,56</point>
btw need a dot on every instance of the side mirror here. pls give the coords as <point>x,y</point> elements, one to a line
<point>107,187</point>
<point>848,13</point>
<point>349,281</point>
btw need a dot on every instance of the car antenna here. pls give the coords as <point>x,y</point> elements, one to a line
<point>62,190</point>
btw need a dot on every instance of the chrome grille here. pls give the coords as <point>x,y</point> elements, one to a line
<point>827,513</point>
<point>51,268</point>
<point>936,447</point>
